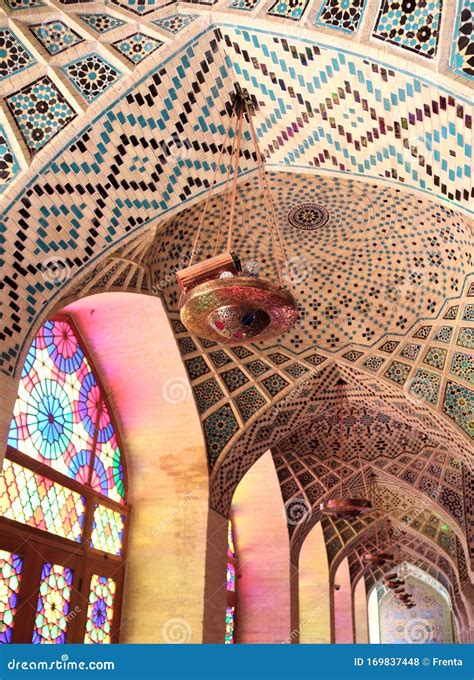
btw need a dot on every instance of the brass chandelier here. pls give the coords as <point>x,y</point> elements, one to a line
<point>221,299</point>
<point>344,507</point>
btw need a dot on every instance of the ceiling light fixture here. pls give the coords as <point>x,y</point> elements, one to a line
<point>222,300</point>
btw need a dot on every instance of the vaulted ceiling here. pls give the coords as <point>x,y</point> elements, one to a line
<point>112,116</point>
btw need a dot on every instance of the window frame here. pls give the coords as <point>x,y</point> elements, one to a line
<point>37,546</point>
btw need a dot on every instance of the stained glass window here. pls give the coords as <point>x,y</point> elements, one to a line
<point>53,604</point>
<point>230,540</point>
<point>229,625</point>
<point>100,610</point>
<point>230,577</point>
<point>35,500</point>
<point>107,530</point>
<point>10,574</point>
<point>58,409</point>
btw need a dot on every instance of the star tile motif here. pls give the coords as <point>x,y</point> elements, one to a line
<point>14,57</point>
<point>137,47</point>
<point>91,76</point>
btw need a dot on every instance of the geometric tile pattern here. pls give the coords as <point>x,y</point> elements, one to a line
<point>14,57</point>
<point>137,46</point>
<point>459,405</point>
<point>290,9</point>
<point>411,24</point>
<point>426,385</point>
<point>174,23</point>
<point>23,4</point>
<point>101,22</point>
<point>462,53</point>
<point>40,111</point>
<point>9,167</point>
<point>342,14</point>
<point>218,429</point>
<point>55,36</point>
<point>249,402</point>
<point>207,394</point>
<point>436,357</point>
<point>245,5</point>
<point>462,365</point>
<point>466,338</point>
<point>91,76</point>
<point>398,372</point>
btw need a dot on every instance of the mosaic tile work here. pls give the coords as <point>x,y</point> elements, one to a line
<point>207,394</point>
<point>40,112</point>
<point>398,372</point>
<point>466,338</point>
<point>175,22</point>
<point>9,167</point>
<point>274,384</point>
<point>23,4</point>
<point>426,385</point>
<point>289,9</point>
<point>55,36</point>
<point>141,7</point>
<point>468,314</point>
<point>137,47</point>
<point>14,57</point>
<point>218,429</point>
<point>249,402</point>
<point>410,24</point>
<point>102,22</point>
<point>234,379</point>
<point>462,365</point>
<point>459,405</point>
<point>373,363</point>
<point>443,334</point>
<point>91,76</point>
<point>342,14</point>
<point>410,351</point>
<point>435,357</point>
<point>257,367</point>
<point>245,5</point>
<point>462,53</point>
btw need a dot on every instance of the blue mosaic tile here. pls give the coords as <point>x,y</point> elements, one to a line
<point>459,405</point>
<point>436,357</point>
<point>9,167</point>
<point>342,14</point>
<point>249,402</point>
<point>289,9</point>
<point>207,394</point>
<point>462,52</point>
<point>55,36</point>
<point>219,428</point>
<point>468,314</point>
<point>462,365</point>
<point>175,22</point>
<point>137,47</point>
<point>398,372</point>
<point>14,57</point>
<point>443,334</point>
<point>410,24</point>
<point>426,385</point>
<point>466,338</point>
<point>143,7</point>
<point>102,23</point>
<point>245,5</point>
<point>23,4</point>
<point>40,111</point>
<point>91,76</point>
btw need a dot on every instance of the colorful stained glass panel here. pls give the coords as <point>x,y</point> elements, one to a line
<point>230,540</point>
<point>107,476</point>
<point>52,608</point>
<point>100,610</point>
<point>229,625</point>
<point>35,500</point>
<point>230,577</point>
<point>10,575</point>
<point>107,530</point>
<point>55,411</point>
<point>58,407</point>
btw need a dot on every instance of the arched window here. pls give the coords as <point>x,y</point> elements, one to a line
<point>63,517</point>
<point>230,617</point>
